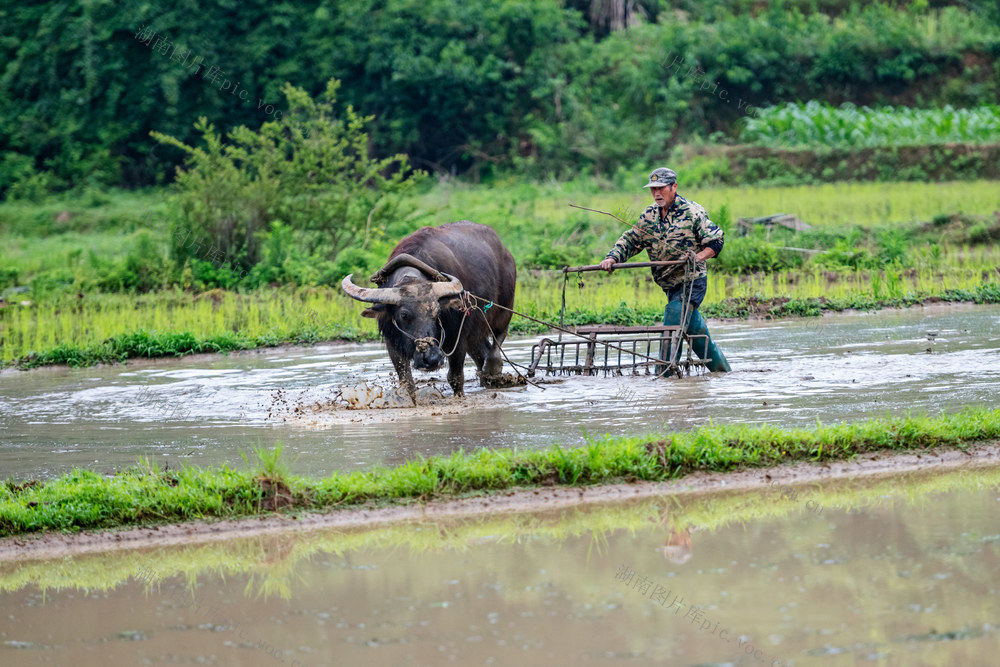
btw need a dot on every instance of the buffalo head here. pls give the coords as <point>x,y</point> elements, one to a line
<point>412,305</point>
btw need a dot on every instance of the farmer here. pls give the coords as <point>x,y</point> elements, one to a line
<point>674,228</point>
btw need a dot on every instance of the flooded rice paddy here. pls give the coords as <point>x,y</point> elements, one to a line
<point>209,410</point>
<point>895,571</point>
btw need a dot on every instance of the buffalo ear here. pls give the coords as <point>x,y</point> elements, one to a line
<point>450,303</point>
<point>375,310</point>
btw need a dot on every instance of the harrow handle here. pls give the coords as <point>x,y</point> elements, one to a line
<point>622,265</point>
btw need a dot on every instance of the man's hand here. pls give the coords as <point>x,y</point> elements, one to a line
<point>608,264</point>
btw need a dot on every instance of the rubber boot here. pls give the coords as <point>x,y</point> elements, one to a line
<point>705,347</point>
<point>696,325</point>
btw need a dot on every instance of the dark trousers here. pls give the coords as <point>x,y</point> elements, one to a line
<point>697,291</point>
<point>705,347</point>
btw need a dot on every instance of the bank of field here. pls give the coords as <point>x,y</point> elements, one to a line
<point>86,500</point>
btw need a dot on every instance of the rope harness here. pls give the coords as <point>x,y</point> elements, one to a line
<point>470,302</point>
<point>424,343</point>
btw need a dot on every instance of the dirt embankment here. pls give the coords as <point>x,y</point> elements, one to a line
<point>52,545</point>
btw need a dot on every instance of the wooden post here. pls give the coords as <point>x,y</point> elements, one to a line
<point>588,365</point>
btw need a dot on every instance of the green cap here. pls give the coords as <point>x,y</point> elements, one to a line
<point>661,177</point>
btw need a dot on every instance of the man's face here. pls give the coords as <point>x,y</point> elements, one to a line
<point>664,196</point>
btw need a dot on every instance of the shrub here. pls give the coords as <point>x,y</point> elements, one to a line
<point>309,172</point>
<point>844,254</point>
<point>983,232</point>
<point>892,246</point>
<point>14,168</point>
<point>34,187</point>
<point>144,269</point>
<point>8,278</point>
<point>360,262</point>
<point>751,254</point>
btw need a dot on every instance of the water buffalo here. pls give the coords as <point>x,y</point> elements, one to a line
<point>422,306</point>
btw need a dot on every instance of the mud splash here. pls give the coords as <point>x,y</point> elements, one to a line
<point>360,396</point>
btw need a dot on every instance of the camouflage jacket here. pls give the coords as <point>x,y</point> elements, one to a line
<point>685,226</point>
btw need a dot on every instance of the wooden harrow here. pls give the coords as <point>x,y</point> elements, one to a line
<point>618,350</point>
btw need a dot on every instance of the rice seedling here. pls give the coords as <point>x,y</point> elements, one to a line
<point>637,300</point>
<point>87,329</point>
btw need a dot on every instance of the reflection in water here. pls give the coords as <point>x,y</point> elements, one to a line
<point>898,571</point>
<point>678,547</point>
<point>207,410</point>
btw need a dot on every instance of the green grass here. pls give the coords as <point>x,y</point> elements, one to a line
<point>86,500</point>
<point>87,213</point>
<point>68,254</point>
<point>67,317</point>
<point>535,221</point>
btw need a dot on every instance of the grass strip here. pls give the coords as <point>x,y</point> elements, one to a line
<point>151,344</point>
<point>86,500</point>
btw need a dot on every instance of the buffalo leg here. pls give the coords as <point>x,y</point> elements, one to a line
<point>402,366</point>
<point>478,354</point>
<point>487,358</point>
<point>456,371</point>
<point>494,363</point>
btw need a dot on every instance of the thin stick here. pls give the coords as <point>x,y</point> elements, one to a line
<point>562,311</point>
<point>624,265</point>
<point>604,212</point>
<point>629,224</point>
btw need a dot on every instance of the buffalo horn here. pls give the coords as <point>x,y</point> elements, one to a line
<point>450,288</point>
<point>389,295</point>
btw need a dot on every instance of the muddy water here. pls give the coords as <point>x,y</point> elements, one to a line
<point>209,409</point>
<point>898,571</point>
